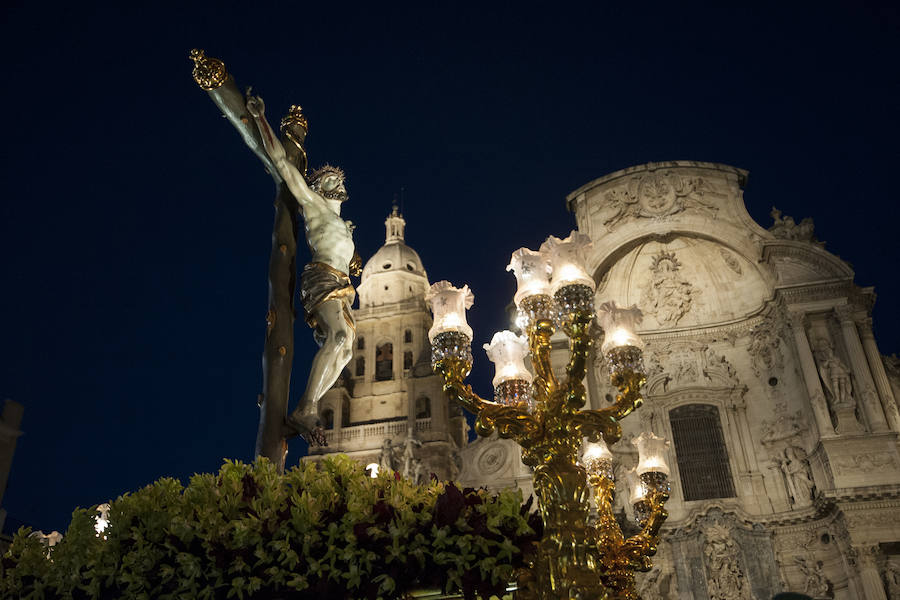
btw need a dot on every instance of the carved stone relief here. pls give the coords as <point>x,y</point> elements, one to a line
<point>862,463</point>
<point>658,194</point>
<point>667,295</point>
<point>719,558</point>
<point>731,261</point>
<point>815,584</point>
<point>765,348</point>
<point>725,578</point>
<point>687,363</point>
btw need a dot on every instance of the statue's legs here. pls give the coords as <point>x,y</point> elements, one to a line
<point>329,361</point>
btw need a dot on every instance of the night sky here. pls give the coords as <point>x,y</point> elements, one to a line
<point>135,226</point>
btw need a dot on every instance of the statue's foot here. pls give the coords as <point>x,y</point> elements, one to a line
<point>308,428</point>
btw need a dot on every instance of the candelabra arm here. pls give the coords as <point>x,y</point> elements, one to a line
<point>578,331</point>
<point>594,424</point>
<point>510,422</point>
<point>545,382</point>
<point>629,397</point>
<point>454,371</point>
<point>641,546</point>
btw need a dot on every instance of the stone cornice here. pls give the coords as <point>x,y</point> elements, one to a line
<point>741,174</point>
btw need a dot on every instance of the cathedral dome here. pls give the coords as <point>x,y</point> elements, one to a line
<point>395,272</point>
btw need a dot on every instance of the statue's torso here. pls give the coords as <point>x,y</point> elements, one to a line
<point>329,237</point>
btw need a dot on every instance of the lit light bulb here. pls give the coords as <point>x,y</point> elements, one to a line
<point>597,459</point>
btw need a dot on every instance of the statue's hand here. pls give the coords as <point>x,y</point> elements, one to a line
<point>255,106</point>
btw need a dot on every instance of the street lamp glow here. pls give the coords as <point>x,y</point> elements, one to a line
<point>567,258</point>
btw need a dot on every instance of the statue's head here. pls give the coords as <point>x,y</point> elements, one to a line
<point>328,182</point>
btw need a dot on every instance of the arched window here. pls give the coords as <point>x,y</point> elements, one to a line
<point>423,408</point>
<point>701,453</point>
<point>328,418</point>
<point>384,362</point>
<point>360,366</point>
<point>407,336</point>
<point>407,359</point>
<point>361,343</point>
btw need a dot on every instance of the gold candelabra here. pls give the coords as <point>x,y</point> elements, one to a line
<point>577,557</point>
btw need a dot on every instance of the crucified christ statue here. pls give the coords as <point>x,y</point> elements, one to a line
<point>325,288</point>
<point>326,291</point>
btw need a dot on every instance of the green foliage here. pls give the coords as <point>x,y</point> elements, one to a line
<point>322,530</point>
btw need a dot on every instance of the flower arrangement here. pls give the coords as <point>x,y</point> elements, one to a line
<point>321,530</point>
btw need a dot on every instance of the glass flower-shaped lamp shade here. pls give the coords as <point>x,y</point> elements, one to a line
<point>637,491</point>
<point>597,459</point>
<point>568,258</point>
<point>508,351</point>
<point>652,454</point>
<point>512,381</point>
<point>449,304</point>
<point>619,325</point>
<point>532,271</point>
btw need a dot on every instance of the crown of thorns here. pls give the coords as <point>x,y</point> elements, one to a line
<point>324,171</point>
<point>315,181</point>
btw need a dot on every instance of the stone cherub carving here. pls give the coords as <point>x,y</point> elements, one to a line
<point>325,288</point>
<point>835,374</point>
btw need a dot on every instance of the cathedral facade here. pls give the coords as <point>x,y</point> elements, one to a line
<point>762,371</point>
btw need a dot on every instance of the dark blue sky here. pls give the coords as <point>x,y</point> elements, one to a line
<point>135,226</point>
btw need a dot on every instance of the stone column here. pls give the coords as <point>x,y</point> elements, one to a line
<point>865,386</point>
<point>867,557</point>
<point>811,375</point>
<point>888,402</point>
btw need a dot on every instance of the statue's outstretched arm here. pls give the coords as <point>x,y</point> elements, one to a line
<point>275,151</point>
<point>211,75</point>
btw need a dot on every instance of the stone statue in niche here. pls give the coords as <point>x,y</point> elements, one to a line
<point>794,467</point>
<point>815,584</point>
<point>668,296</point>
<point>725,578</point>
<point>834,373</point>
<point>386,458</point>
<point>786,229</point>
<point>409,454</point>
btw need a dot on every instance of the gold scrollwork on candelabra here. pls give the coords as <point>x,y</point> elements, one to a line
<point>575,557</point>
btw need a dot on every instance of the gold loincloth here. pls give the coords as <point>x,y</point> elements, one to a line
<point>319,283</point>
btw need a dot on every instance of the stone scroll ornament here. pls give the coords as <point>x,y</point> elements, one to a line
<point>326,290</point>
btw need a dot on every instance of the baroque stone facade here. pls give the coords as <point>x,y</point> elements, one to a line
<point>762,369</point>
